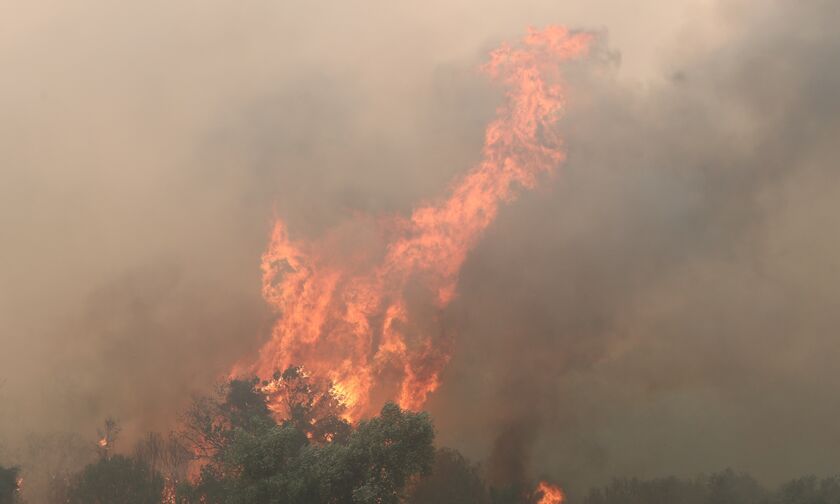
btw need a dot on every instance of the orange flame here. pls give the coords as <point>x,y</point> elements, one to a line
<point>170,491</point>
<point>549,494</point>
<point>354,324</point>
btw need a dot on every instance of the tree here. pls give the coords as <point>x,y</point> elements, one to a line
<point>303,453</point>
<point>117,479</point>
<point>809,490</point>
<point>307,403</point>
<point>108,435</point>
<point>514,493</point>
<point>8,484</point>
<point>729,487</point>
<point>668,490</point>
<point>165,455</point>
<point>386,451</point>
<point>291,399</point>
<point>725,487</point>
<point>49,462</point>
<point>452,480</point>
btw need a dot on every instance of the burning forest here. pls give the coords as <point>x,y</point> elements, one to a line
<point>443,253</point>
<point>352,323</point>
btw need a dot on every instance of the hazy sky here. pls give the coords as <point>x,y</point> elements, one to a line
<point>667,304</point>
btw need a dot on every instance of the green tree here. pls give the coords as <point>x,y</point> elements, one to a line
<point>166,456</point>
<point>452,480</point>
<point>8,484</point>
<point>809,490</point>
<point>308,404</point>
<point>725,487</point>
<point>50,461</point>
<point>729,487</point>
<point>514,493</point>
<point>308,455</point>
<point>668,490</point>
<point>117,479</point>
<point>385,452</point>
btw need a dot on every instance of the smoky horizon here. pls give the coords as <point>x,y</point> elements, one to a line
<point>625,270</point>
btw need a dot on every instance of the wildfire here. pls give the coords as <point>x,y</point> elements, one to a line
<point>354,324</point>
<point>549,494</point>
<point>170,492</point>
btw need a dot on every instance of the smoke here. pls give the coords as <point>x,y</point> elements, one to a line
<point>666,308</point>
<point>356,325</point>
<point>665,305</point>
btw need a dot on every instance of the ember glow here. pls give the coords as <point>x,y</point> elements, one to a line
<point>549,494</point>
<point>353,324</point>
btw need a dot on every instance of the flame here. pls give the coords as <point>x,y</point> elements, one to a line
<point>103,442</point>
<point>170,491</point>
<point>353,324</point>
<point>549,494</point>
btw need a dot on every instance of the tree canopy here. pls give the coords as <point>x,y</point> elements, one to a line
<point>453,480</point>
<point>8,484</point>
<point>116,479</point>
<point>306,455</point>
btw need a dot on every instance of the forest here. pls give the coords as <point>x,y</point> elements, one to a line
<point>284,441</point>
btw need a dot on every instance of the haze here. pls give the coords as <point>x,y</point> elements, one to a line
<point>667,304</point>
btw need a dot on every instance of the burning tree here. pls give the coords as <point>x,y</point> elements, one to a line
<point>168,456</point>
<point>250,453</point>
<point>107,437</point>
<point>309,403</point>
<point>353,321</point>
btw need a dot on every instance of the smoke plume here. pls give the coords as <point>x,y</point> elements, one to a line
<point>665,304</point>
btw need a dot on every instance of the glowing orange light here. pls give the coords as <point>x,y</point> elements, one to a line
<point>549,494</point>
<point>353,325</point>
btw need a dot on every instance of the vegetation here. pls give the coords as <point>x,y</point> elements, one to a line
<point>116,479</point>
<point>453,480</point>
<point>284,441</point>
<point>727,487</point>
<point>312,456</point>
<point>8,484</point>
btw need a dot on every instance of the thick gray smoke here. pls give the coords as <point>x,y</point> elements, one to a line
<point>666,304</point>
